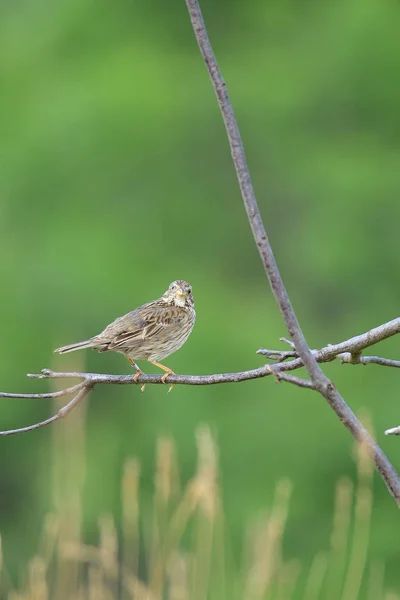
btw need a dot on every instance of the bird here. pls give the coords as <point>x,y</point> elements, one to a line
<point>150,332</point>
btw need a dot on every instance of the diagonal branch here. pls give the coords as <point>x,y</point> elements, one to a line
<point>318,378</point>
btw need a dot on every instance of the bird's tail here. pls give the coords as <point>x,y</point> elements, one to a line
<point>78,346</point>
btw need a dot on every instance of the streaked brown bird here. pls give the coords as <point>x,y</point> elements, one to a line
<point>151,332</point>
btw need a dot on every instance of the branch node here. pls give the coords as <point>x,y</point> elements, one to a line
<point>277,355</point>
<point>355,358</point>
<point>344,357</point>
<point>289,342</point>
<point>271,369</point>
<point>46,372</point>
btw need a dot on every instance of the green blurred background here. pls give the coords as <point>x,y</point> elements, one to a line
<point>116,178</point>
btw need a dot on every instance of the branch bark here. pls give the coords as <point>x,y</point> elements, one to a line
<point>318,378</point>
<point>348,351</point>
<point>278,370</point>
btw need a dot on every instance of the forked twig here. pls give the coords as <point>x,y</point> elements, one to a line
<point>348,351</point>
<point>63,412</point>
<point>70,390</point>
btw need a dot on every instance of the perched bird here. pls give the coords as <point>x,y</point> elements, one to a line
<point>151,332</point>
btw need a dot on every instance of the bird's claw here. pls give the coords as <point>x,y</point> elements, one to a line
<point>135,379</point>
<point>164,377</point>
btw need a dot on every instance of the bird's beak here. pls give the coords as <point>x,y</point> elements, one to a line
<point>181,292</point>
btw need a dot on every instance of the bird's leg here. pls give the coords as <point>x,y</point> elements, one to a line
<point>138,372</point>
<point>168,372</point>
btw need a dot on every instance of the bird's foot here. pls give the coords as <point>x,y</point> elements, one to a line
<point>164,377</point>
<point>136,377</point>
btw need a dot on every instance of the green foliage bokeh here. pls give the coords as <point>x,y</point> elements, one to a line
<point>116,178</point>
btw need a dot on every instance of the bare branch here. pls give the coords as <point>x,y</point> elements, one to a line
<point>318,378</point>
<point>289,342</point>
<point>356,359</point>
<point>348,351</point>
<point>278,370</point>
<point>278,355</point>
<point>58,394</point>
<point>63,412</point>
<point>102,378</point>
<point>299,381</point>
<point>89,380</point>
<point>280,376</point>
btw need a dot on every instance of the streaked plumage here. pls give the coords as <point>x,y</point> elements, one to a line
<point>151,332</point>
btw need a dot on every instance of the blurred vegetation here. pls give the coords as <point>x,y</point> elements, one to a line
<point>179,549</point>
<point>116,179</point>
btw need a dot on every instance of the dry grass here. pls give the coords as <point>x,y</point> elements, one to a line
<point>65,568</point>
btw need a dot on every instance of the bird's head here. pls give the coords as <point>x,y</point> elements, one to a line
<point>179,293</point>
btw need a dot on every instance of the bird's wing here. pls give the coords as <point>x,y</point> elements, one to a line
<point>143,323</point>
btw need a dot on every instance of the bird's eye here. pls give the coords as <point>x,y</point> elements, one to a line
<point>189,291</point>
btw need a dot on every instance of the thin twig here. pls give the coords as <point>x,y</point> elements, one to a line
<point>280,376</point>
<point>278,355</point>
<point>299,381</point>
<point>289,342</point>
<point>71,390</point>
<point>348,351</point>
<point>368,360</point>
<point>319,379</point>
<point>63,412</point>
